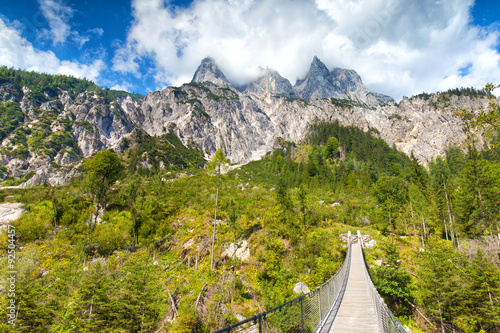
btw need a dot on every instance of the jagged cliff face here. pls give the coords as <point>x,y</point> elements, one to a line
<point>57,134</point>
<point>247,122</point>
<point>212,113</point>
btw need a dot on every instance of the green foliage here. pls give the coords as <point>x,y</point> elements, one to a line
<point>111,95</point>
<point>104,167</point>
<point>395,116</point>
<point>214,97</point>
<point>44,83</point>
<point>218,163</point>
<point>43,86</point>
<point>456,290</point>
<point>196,85</point>
<point>37,223</point>
<point>469,91</point>
<point>331,148</point>
<point>394,283</point>
<point>102,171</point>
<point>130,195</point>
<point>193,101</point>
<point>392,194</point>
<point>11,116</point>
<point>342,102</point>
<point>113,234</point>
<point>378,156</point>
<point>475,302</point>
<point>143,266</point>
<point>488,121</point>
<point>86,125</point>
<point>166,150</point>
<point>189,322</point>
<point>425,96</point>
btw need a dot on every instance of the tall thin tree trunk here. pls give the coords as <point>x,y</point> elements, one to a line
<point>478,189</point>
<point>424,232</point>
<point>448,204</point>
<point>445,229</point>
<point>144,298</point>
<point>135,230</point>
<point>91,303</point>
<point>413,220</point>
<point>215,221</point>
<point>436,287</point>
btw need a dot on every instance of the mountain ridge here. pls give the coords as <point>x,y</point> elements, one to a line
<point>57,126</point>
<point>318,83</point>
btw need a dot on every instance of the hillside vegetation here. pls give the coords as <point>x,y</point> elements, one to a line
<point>133,255</point>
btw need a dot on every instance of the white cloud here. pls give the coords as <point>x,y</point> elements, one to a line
<point>17,52</point>
<point>58,16</point>
<point>399,47</point>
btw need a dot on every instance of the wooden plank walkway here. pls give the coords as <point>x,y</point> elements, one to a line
<point>356,313</point>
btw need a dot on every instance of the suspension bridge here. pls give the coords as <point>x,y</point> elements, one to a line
<point>348,302</point>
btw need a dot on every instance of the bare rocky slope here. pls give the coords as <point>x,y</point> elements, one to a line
<point>246,122</point>
<point>210,112</point>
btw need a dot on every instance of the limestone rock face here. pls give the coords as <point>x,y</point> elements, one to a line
<point>247,124</point>
<point>208,71</point>
<point>344,84</point>
<point>210,116</point>
<point>64,130</point>
<point>318,83</point>
<point>270,83</point>
<point>211,113</point>
<point>425,127</point>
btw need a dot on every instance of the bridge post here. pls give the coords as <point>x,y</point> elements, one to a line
<point>302,313</point>
<point>328,294</point>
<point>319,305</point>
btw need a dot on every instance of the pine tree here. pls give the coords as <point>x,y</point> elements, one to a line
<point>477,305</point>
<point>439,277</point>
<point>331,147</point>
<point>217,165</point>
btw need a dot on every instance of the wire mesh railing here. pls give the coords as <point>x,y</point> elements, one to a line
<point>386,320</point>
<point>311,312</point>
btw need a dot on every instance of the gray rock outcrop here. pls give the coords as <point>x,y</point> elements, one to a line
<point>208,71</point>
<point>211,113</point>
<point>343,84</point>
<point>270,83</point>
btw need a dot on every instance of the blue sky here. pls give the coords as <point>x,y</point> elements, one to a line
<point>399,47</point>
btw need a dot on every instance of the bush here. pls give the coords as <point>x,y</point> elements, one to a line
<point>37,223</point>
<point>114,234</point>
<point>188,321</point>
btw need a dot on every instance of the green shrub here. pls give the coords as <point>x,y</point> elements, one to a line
<point>37,223</point>
<point>114,234</point>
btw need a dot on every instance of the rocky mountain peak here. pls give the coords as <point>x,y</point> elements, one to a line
<point>317,83</point>
<point>347,79</point>
<point>320,82</point>
<point>208,71</point>
<point>270,83</point>
<point>338,83</point>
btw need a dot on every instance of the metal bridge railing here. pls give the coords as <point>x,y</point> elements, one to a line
<point>386,320</point>
<point>305,314</point>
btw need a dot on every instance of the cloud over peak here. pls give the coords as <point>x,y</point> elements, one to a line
<point>399,47</point>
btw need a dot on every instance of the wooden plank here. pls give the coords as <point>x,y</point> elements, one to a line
<point>357,312</point>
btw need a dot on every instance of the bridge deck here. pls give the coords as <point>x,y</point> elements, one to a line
<point>356,312</point>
